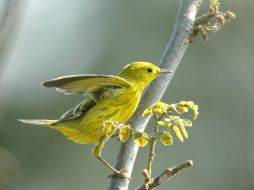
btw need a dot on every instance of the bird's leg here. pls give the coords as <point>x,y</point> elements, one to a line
<point>97,153</point>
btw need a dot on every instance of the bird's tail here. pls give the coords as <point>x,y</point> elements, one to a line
<point>72,133</point>
<point>43,122</point>
<point>50,123</point>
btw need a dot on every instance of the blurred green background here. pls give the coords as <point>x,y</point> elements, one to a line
<point>62,37</point>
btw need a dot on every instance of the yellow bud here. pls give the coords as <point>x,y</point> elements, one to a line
<point>195,114</point>
<point>166,138</point>
<point>182,127</point>
<point>190,103</point>
<point>187,122</point>
<point>164,123</point>
<point>214,3</point>
<point>158,108</point>
<point>125,133</point>
<point>147,112</point>
<point>178,133</point>
<point>183,102</point>
<point>141,139</point>
<point>195,107</point>
<point>182,109</point>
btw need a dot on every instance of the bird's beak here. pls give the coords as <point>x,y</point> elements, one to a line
<point>165,71</point>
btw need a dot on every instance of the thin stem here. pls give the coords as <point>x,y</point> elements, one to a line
<point>151,154</point>
<point>152,143</point>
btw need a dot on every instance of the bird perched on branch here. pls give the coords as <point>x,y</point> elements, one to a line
<point>112,98</point>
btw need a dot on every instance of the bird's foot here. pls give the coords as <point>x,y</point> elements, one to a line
<point>121,173</point>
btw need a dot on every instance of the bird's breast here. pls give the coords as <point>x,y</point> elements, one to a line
<point>119,107</point>
<point>122,104</point>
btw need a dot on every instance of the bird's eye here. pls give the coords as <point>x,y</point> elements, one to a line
<point>149,70</point>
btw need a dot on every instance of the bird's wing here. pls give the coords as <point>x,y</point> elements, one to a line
<point>85,84</point>
<point>77,111</point>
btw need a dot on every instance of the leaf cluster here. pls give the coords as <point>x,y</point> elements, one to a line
<point>167,119</point>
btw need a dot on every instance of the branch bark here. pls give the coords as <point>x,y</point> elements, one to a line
<point>166,175</point>
<point>170,59</point>
<point>11,14</point>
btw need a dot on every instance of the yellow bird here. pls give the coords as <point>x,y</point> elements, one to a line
<point>112,98</point>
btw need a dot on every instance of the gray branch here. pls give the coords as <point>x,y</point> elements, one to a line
<point>166,175</point>
<point>11,14</point>
<point>170,59</point>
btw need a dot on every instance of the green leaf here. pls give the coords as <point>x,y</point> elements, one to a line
<point>141,139</point>
<point>158,108</point>
<point>166,138</point>
<point>178,133</point>
<point>125,133</point>
<point>182,127</point>
<point>164,123</point>
<point>182,109</point>
<point>147,112</point>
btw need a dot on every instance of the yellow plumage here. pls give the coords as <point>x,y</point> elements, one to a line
<point>111,98</point>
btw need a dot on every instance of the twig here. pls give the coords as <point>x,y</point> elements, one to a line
<point>205,18</point>
<point>202,25</point>
<point>165,175</point>
<point>170,59</point>
<point>151,155</point>
<point>152,144</point>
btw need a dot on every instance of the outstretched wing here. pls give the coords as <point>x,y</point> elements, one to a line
<point>86,84</point>
<point>76,111</point>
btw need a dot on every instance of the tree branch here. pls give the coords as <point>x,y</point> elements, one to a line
<point>170,59</point>
<point>166,175</point>
<point>11,13</point>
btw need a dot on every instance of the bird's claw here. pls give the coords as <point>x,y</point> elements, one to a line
<point>121,173</point>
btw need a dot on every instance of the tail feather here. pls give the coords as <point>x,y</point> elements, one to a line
<point>72,134</point>
<point>43,122</point>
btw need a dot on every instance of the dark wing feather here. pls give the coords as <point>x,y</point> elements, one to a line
<point>85,84</point>
<point>77,111</point>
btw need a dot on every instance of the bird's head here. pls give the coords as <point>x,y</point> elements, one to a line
<point>142,73</point>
